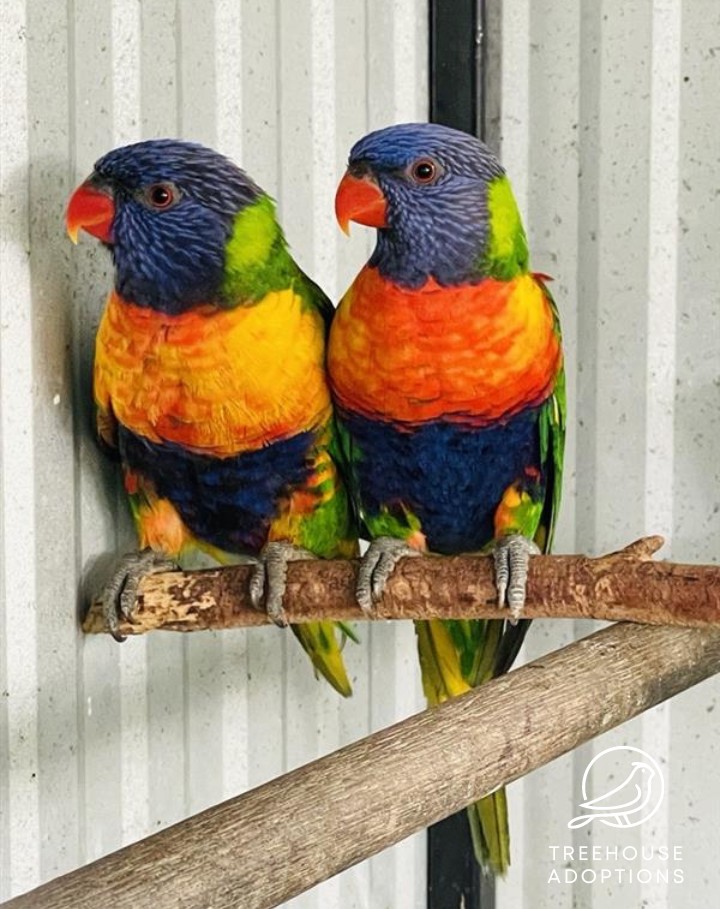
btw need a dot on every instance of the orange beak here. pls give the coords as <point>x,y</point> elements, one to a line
<point>360,199</point>
<point>92,209</point>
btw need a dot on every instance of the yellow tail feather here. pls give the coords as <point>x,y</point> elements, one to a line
<point>319,641</point>
<point>490,832</point>
<point>439,664</point>
<point>442,678</point>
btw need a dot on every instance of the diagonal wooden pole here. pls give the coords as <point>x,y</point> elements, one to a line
<point>622,586</point>
<point>257,850</point>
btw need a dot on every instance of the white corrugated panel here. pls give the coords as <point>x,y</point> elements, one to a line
<point>609,133</point>
<point>100,744</point>
<point>609,130</point>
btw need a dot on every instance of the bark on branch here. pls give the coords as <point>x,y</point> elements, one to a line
<point>259,849</point>
<point>622,586</point>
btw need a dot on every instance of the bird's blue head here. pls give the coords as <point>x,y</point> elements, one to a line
<point>441,202</point>
<point>166,208</point>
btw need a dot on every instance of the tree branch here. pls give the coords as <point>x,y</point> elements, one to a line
<point>276,841</point>
<point>622,586</point>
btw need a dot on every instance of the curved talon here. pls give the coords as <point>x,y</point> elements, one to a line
<point>511,556</point>
<point>268,580</point>
<point>120,592</point>
<point>257,585</point>
<point>376,566</point>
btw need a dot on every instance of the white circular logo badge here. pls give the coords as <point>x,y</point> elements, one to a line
<point>629,804</point>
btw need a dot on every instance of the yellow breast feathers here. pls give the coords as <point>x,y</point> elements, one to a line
<point>215,381</point>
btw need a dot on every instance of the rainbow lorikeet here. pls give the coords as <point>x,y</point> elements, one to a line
<point>446,367</point>
<point>209,377</point>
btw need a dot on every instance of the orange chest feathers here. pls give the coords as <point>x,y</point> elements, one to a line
<point>475,354</point>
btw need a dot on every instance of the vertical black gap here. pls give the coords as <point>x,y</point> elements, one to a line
<point>457,99</point>
<point>457,64</point>
<point>454,879</point>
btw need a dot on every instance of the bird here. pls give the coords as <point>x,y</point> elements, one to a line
<point>615,808</point>
<point>209,379</point>
<point>446,368</point>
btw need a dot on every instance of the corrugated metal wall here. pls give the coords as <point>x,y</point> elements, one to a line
<point>100,744</point>
<point>609,129</point>
<point>608,125</point>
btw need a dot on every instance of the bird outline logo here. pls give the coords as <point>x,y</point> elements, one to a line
<point>633,801</point>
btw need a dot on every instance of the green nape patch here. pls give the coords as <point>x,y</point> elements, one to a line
<point>257,260</point>
<point>507,253</point>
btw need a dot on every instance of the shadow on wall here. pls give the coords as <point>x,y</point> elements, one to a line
<point>68,287</point>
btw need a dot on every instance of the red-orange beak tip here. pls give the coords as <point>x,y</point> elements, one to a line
<point>73,231</point>
<point>92,210</point>
<point>343,222</point>
<point>360,199</point>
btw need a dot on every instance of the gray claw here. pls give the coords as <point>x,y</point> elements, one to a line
<point>269,578</point>
<point>512,559</point>
<point>376,566</point>
<point>118,596</point>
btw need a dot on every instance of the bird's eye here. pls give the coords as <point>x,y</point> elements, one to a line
<point>424,171</point>
<point>161,195</point>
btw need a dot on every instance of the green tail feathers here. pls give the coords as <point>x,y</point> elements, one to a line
<point>320,643</point>
<point>456,656</point>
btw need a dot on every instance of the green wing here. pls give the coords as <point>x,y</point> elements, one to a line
<point>331,530</point>
<point>553,416</point>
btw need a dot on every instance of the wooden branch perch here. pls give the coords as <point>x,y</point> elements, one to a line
<point>276,841</point>
<point>622,586</point>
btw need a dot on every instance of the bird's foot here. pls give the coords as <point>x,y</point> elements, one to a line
<point>376,566</point>
<point>512,560</point>
<point>118,595</point>
<point>269,578</point>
